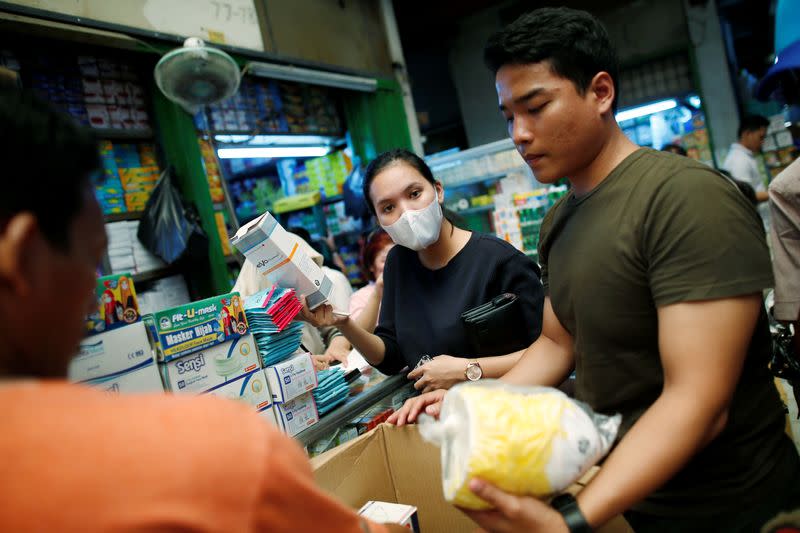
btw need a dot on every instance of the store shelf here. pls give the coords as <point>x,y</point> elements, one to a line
<point>475,210</point>
<point>152,275</point>
<point>355,406</point>
<point>123,135</point>
<point>473,153</point>
<point>120,217</point>
<point>485,177</point>
<point>333,199</point>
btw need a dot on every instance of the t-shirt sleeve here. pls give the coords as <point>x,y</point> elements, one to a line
<point>289,499</point>
<point>703,240</point>
<point>393,361</point>
<point>520,275</point>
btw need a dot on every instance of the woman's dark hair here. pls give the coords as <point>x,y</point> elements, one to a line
<point>387,159</point>
<point>377,241</point>
<point>573,42</point>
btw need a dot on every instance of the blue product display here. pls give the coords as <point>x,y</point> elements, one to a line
<point>332,390</point>
<point>276,342</point>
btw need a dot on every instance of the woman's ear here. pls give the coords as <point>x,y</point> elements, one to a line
<point>439,191</point>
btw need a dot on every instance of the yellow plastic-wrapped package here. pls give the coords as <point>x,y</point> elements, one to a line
<point>532,441</point>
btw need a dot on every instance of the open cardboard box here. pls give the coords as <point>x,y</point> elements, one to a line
<point>395,465</point>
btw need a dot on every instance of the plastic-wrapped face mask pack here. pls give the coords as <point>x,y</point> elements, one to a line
<point>533,441</point>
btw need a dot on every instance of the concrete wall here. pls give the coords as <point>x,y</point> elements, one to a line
<point>344,34</point>
<point>640,30</point>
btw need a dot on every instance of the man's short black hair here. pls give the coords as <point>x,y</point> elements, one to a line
<point>752,123</point>
<point>574,42</point>
<point>47,161</point>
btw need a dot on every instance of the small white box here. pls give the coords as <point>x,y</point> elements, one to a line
<point>391,513</point>
<point>268,414</point>
<point>296,415</point>
<point>112,352</point>
<point>291,378</point>
<point>141,379</point>
<point>210,368</point>
<point>277,255</point>
<point>250,388</point>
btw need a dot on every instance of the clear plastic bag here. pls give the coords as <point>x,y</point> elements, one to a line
<point>168,229</point>
<point>533,441</point>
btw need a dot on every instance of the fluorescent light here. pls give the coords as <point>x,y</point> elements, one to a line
<point>649,109</point>
<point>695,101</point>
<point>271,152</point>
<point>276,140</point>
<point>787,124</point>
<point>314,77</point>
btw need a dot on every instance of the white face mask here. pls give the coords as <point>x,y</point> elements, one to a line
<point>417,229</point>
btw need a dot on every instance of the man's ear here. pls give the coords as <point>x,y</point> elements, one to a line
<point>21,245</point>
<point>602,88</point>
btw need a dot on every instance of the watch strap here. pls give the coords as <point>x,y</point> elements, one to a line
<point>568,507</point>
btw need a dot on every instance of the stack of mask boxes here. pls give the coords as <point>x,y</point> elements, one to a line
<point>116,355</point>
<point>291,383</point>
<point>205,348</point>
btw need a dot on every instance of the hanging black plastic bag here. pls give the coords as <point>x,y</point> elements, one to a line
<point>168,229</point>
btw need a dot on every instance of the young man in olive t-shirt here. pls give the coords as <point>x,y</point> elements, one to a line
<point>654,266</point>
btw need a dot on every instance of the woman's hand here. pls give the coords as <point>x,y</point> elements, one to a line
<point>339,349</point>
<point>321,316</point>
<point>430,403</point>
<point>321,362</point>
<point>442,372</point>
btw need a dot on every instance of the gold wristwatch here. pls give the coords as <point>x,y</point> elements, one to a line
<point>474,372</point>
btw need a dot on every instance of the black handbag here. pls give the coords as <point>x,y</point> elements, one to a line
<point>495,328</point>
<point>784,364</point>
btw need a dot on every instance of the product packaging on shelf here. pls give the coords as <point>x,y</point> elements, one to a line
<point>291,378</point>
<point>251,388</point>
<point>143,378</point>
<point>204,370</point>
<point>277,255</point>
<point>196,326</point>
<point>113,352</point>
<point>117,305</point>
<point>296,415</point>
<point>394,464</point>
<point>391,513</point>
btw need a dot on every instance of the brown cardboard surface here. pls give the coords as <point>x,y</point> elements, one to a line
<point>395,465</point>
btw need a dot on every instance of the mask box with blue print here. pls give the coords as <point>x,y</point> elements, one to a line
<point>197,326</point>
<point>296,415</point>
<point>114,352</point>
<point>204,370</point>
<point>277,255</point>
<point>250,388</point>
<point>142,379</point>
<point>291,378</point>
<point>117,305</point>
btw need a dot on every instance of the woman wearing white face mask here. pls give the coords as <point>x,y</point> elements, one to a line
<point>436,273</point>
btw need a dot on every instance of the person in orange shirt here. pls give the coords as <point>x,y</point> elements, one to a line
<point>78,459</point>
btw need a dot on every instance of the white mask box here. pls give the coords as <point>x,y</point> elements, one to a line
<point>112,352</point>
<point>277,255</point>
<point>142,379</point>
<point>291,378</point>
<point>296,415</point>
<point>204,370</point>
<point>250,388</point>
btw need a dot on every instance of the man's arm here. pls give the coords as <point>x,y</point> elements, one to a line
<point>550,359</point>
<point>701,369</point>
<point>702,366</point>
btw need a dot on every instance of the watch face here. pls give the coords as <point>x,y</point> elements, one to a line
<point>474,372</point>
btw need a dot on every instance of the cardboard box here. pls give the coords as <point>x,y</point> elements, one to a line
<point>207,369</point>
<point>197,326</point>
<point>296,415</point>
<point>116,351</point>
<point>291,378</point>
<point>141,379</point>
<point>116,306</point>
<point>250,388</point>
<point>277,255</point>
<point>395,465</point>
